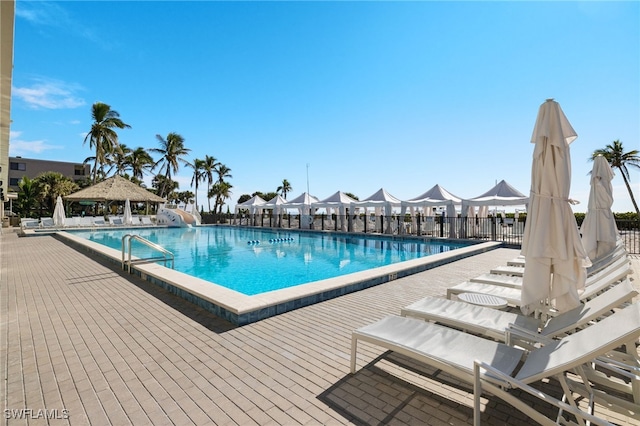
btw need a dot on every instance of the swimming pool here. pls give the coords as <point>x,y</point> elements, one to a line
<point>340,252</point>
<point>253,261</point>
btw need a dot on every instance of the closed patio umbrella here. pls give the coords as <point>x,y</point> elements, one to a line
<point>599,230</point>
<point>58,213</point>
<point>555,269</point>
<point>127,219</point>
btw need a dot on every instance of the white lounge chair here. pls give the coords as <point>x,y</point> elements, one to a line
<point>98,221</point>
<point>516,271</point>
<point>461,355</point>
<point>604,380</point>
<point>27,223</point>
<point>47,222</point>
<point>620,268</point>
<point>85,221</point>
<point>597,284</point>
<point>115,221</point>
<point>499,279</point>
<point>497,324</point>
<point>516,261</point>
<point>70,222</point>
<point>618,252</point>
<point>146,220</point>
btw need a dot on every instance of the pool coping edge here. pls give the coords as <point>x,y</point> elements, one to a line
<point>240,309</point>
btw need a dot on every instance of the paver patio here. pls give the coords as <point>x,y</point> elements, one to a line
<point>88,344</point>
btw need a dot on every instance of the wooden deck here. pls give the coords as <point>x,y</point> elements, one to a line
<point>88,344</point>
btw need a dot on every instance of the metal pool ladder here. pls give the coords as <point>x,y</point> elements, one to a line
<point>126,244</point>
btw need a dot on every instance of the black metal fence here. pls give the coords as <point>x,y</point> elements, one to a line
<point>630,233</point>
<point>508,230</point>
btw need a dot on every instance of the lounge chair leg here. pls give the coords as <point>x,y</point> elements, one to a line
<point>354,349</point>
<point>477,391</point>
<point>635,384</point>
<point>568,396</point>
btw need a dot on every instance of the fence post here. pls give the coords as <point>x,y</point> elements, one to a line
<point>493,228</point>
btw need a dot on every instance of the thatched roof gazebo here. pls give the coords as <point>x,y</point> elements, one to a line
<point>115,188</point>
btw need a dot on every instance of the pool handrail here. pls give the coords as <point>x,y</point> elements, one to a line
<point>128,237</point>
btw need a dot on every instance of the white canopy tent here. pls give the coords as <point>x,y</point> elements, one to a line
<point>437,196</point>
<point>338,202</point>
<point>303,203</point>
<point>253,205</point>
<point>502,194</point>
<point>277,205</point>
<point>381,201</point>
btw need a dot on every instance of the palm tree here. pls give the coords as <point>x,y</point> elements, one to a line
<point>102,136</point>
<point>198,175</point>
<point>28,196</point>
<point>265,195</point>
<point>171,150</point>
<point>184,197</point>
<point>140,162</point>
<point>284,188</point>
<point>223,172</point>
<point>50,185</point>
<point>161,183</point>
<point>615,155</point>
<point>349,194</point>
<point>120,159</point>
<point>209,169</point>
<point>221,191</point>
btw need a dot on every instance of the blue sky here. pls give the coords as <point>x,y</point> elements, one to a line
<point>354,95</point>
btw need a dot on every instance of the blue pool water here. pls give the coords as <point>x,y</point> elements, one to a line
<point>254,261</point>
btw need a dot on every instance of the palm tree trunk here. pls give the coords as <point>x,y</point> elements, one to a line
<point>167,178</point>
<point>633,200</point>
<point>95,169</point>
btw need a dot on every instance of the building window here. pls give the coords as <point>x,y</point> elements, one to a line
<point>79,170</point>
<point>14,181</point>
<point>18,166</point>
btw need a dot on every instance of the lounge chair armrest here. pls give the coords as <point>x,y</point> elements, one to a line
<point>515,332</point>
<point>488,381</point>
<point>607,360</point>
<point>629,371</point>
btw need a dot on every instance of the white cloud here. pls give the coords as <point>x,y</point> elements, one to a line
<point>48,15</point>
<point>41,13</point>
<point>49,94</point>
<point>20,147</point>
